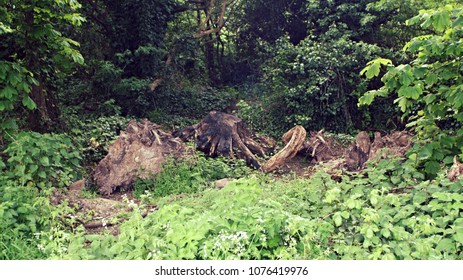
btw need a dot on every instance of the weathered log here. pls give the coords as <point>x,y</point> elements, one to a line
<point>220,134</point>
<point>456,171</point>
<point>138,152</point>
<point>293,139</point>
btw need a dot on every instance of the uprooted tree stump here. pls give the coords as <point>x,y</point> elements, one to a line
<point>138,152</point>
<point>353,158</point>
<point>321,148</point>
<point>221,134</point>
<point>394,144</point>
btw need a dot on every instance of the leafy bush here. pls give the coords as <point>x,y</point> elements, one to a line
<point>43,160</point>
<point>28,221</point>
<point>95,135</point>
<point>189,102</point>
<point>211,226</point>
<point>315,83</point>
<point>429,89</point>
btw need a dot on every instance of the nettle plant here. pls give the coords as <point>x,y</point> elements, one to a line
<point>42,160</point>
<point>429,88</point>
<point>236,222</point>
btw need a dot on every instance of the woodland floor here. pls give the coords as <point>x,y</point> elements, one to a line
<point>105,214</point>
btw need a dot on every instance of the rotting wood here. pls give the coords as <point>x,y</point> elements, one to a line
<point>293,139</point>
<point>221,134</point>
<point>456,171</point>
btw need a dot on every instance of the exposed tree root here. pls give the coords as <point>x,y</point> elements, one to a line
<point>294,139</point>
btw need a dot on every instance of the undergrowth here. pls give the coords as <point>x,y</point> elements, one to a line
<point>189,175</point>
<point>388,212</point>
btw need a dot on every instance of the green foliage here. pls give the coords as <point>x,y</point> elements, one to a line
<point>189,176</point>
<point>258,119</point>
<point>27,220</point>
<point>42,160</point>
<point>428,89</point>
<point>94,136</point>
<point>395,217</point>
<point>183,104</point>
<point>212,226</point>
<point>24,68</point>
<point>390,212</point>
<point>314,83</point>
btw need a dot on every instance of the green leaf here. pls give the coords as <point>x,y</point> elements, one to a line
<point>406,76</point>
<point>345,214</point>
<point>441,21</point>
<point>337,219</point>
<point>403,103</point>
<point>33,168</point>
<point>367,98</point>
<point>45,161</point>
<point>8,92</point>
<point>410,92</point>
<point>385,232</point>
<point>458,237</point>
<point>373,70</point>
<point>29,103</point>
<point>426,152</point>
<point>369,233</point>
<point>419,198</point>
<point>445,245</point>
<point>431,167</point>
<point>373,67</point>
<point>431,79</point>
<point>458,22</point>
<point>42,174</point>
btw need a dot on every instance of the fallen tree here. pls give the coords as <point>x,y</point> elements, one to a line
<point>141,149</point>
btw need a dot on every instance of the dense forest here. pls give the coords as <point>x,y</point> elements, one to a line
<point>75,75</point>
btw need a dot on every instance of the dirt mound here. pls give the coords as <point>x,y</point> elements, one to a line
<point>138,152</point>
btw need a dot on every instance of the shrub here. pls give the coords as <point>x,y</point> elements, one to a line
<point>429,88</point>
<point>95,135</point>
<point>43,160</point>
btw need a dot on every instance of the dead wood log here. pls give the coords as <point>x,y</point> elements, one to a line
<point>104,223</point>
<point>220,134</point>
<point>294,139</point>
<point>138,152</point>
